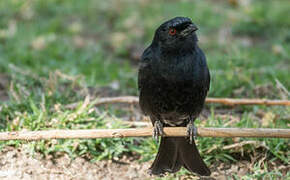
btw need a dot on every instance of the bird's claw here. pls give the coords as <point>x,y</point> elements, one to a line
<point>191,131</point>
<point>158,130</point>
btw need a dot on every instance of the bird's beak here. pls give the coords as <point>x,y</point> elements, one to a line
<point>189,30</point>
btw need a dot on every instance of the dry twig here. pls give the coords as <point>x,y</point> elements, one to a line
<point>241,144</point>
<point>120,133</point>
<point>224,101</point>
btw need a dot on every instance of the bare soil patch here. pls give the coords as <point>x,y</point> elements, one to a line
<point>20,164</point>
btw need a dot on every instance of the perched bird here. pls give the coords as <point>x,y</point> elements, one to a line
<point>173,81</point>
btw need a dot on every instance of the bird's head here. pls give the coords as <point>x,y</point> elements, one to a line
<point>176,33</point>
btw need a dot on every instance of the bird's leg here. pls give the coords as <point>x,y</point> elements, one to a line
<point>191,129</point>
<point>158,130</point>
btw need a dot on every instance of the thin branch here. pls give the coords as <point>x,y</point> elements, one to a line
<point>233,102</point>
<point>224,101</point>
<point>143,132</point>
<point>241,144</point>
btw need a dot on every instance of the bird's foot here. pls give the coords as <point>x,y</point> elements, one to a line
<point>158,130</point>
<point>191,131</point>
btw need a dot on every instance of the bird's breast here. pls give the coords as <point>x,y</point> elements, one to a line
<point>174,89</point>
<point>176,72</point>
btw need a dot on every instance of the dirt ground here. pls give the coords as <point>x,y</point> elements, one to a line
<point>20,164</point>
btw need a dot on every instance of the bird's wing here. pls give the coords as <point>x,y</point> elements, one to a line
<point>145,71</point>
<point>145,79</point>
<point>206,82</point>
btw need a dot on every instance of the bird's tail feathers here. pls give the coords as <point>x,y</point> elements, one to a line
<point>175,152</point>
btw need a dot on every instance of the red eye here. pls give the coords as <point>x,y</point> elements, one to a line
<point>172,31</point>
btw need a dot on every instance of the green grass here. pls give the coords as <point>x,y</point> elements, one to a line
<point>54,52</point>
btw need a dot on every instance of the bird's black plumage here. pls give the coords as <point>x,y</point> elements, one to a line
<point>173,81</point>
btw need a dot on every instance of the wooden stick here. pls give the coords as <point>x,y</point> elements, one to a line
<point>224,101</point>
<point>143,132</point>
<point>233,102</point>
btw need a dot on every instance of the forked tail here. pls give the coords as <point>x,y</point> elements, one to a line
<point>175,152</point>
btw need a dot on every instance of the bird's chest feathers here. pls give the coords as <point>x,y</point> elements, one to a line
<point>177,70</point>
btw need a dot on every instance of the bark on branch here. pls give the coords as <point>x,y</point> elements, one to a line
<point>224,101</point>
<point>143,132</point>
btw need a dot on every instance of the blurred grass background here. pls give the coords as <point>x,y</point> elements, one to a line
<point>56,52</point>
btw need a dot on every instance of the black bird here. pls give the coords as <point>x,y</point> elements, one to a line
<point>173,81</point>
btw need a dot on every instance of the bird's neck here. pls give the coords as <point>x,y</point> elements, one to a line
<point>179,51</point>
<point>187,46</point>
